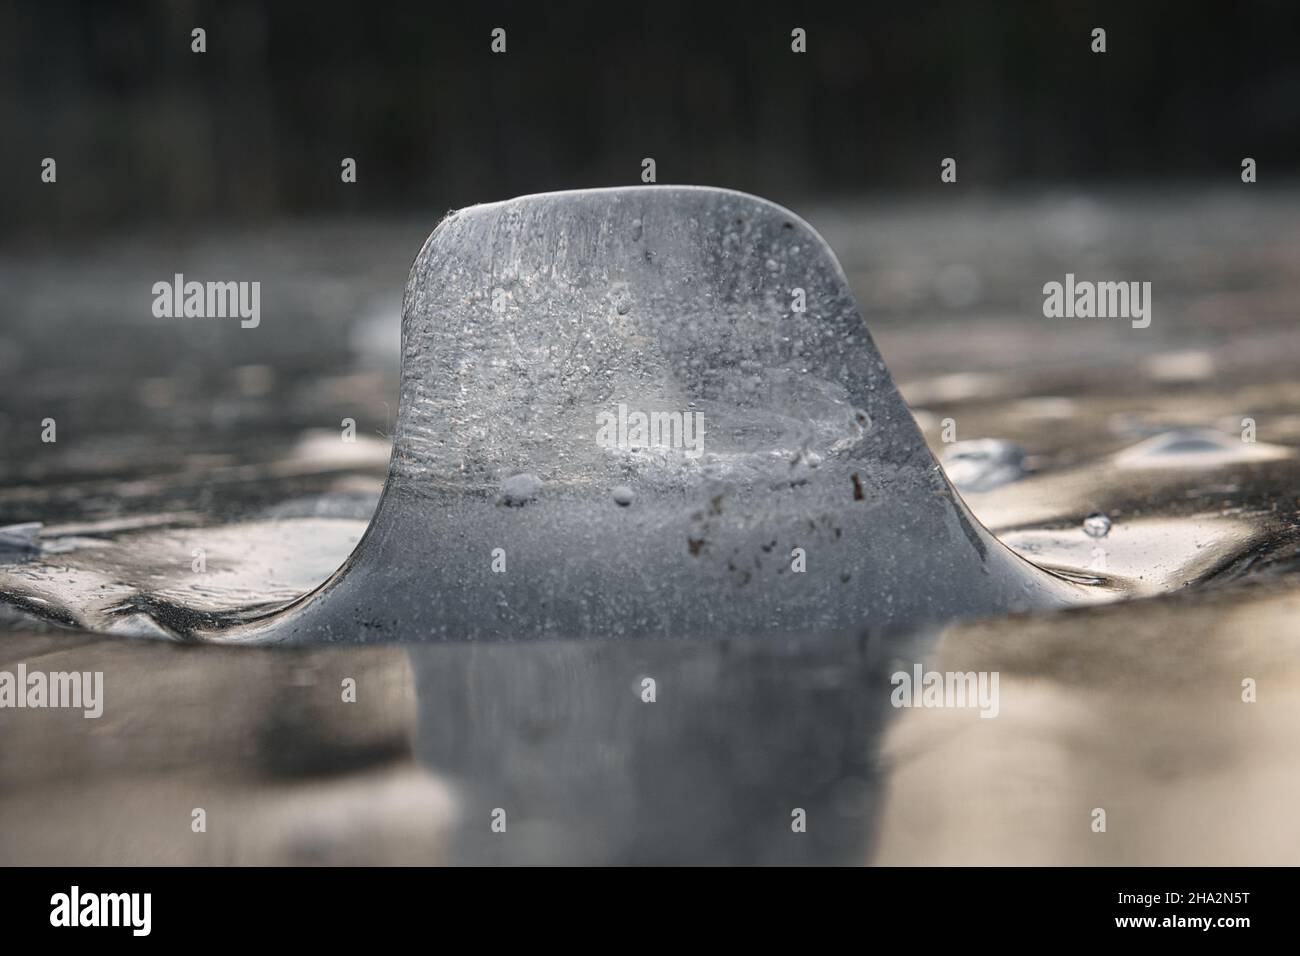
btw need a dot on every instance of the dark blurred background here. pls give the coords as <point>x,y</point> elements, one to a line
<point>145,131</point>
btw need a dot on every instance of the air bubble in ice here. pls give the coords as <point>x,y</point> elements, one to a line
<point>519,489</point>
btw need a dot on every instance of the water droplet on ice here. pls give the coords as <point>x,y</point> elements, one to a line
<point>1096,525</point>
<point>624,495</point>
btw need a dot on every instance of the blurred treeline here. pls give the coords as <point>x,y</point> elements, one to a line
<point>144,130</point>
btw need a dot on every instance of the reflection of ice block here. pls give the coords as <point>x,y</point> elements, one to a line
<point>571,338</point>
<point>658,752</point>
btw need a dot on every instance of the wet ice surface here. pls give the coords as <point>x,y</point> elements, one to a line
<point>220,445</point>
